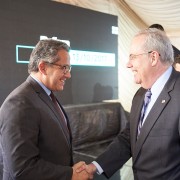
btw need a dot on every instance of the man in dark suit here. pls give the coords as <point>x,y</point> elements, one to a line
<point>151,137</point>
<point>34,132</point>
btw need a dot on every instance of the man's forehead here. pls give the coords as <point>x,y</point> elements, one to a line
<point>137,43</point>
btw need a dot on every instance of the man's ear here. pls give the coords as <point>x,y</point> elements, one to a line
<point>154,58</point>
<point>42,67</point>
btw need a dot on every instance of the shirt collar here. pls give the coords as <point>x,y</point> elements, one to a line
<point>48,92</point>
<point>161,81</point>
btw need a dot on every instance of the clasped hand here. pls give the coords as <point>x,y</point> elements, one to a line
<point>82,171</point>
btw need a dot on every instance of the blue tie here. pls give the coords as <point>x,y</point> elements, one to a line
<point>147,99</point>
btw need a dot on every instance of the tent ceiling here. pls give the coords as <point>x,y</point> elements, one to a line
<point>164,12</point>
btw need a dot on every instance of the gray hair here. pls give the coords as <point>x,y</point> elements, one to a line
<point>46,50</point>
<point>157,40</point>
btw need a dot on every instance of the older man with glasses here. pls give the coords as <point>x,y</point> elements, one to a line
<point>152,135</point>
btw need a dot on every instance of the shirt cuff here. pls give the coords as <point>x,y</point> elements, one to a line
<point>98,167</point>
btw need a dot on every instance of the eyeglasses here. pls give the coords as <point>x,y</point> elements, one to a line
<point>64,68</point>
<point>134,56</point>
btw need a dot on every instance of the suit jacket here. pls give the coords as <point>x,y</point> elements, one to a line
<point>155,154</point>
<point>34,144</point>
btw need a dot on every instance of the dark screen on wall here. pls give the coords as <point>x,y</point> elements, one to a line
<point>24,21</point>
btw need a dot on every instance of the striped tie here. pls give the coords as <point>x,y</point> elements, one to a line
<point>147,99</point>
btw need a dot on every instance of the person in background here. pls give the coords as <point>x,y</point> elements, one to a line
<point>177,63</point>
<point>152,135</point>
<point>35,134</point>
<point>160,27</point>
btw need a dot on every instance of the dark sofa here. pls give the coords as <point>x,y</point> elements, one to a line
<point>94,126</point>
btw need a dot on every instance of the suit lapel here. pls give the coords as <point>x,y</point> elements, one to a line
<point>44,97</point>
<point>135,115</point>
<point>153,115</point>
<point>151,119</point>
<point>49,103</point>
<point>67,129</point>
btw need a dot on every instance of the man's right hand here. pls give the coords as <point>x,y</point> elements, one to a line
<point>90,169</point>
<point>80,172</point>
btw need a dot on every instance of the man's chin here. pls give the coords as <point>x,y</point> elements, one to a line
<point>137,81</point>
<point>60,88</point>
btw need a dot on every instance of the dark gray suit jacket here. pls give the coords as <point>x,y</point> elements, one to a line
<point>156,153</point>
<point>34,144</point>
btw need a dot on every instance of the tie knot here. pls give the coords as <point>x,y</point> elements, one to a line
<point>52,96</point>
<point>148,93</point>
<point>147,96</point>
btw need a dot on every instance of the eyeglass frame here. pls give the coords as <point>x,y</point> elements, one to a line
<point>133,56</point>
<point>64,68</point>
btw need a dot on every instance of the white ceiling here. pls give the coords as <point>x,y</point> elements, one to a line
<point>164,12</point>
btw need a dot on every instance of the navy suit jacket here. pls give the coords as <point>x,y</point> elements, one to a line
<point>156,153</point>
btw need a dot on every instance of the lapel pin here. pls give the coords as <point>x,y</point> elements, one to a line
<point>163,101</point>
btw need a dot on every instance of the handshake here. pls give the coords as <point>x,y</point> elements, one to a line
<point>82,171</point>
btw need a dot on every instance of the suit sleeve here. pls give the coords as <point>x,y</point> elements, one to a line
<point>117,154</point>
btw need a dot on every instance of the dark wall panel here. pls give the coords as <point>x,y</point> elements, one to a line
<point>22,22</point>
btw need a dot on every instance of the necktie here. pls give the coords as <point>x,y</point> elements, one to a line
<point>59,110</point>
<point>147,99</point>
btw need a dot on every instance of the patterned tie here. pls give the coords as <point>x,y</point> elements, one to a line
<point>147,99</point>
<point>59,110</point>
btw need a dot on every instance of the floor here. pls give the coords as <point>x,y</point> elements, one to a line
<point>125,173</point>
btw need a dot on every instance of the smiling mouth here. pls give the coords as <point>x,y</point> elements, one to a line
<point>62,81</point>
